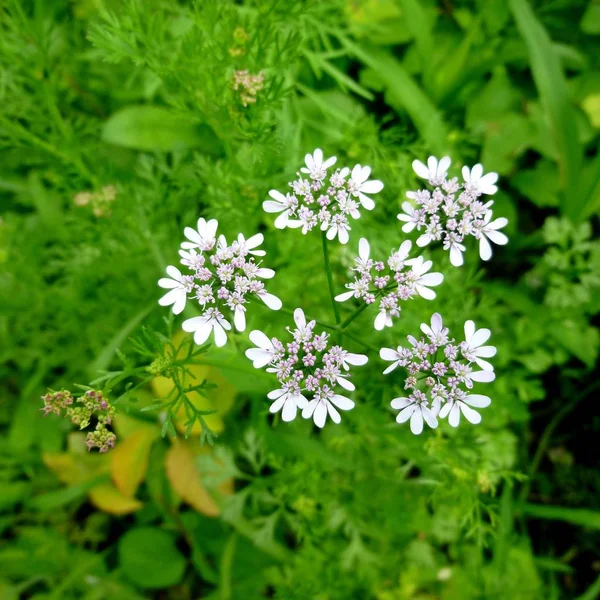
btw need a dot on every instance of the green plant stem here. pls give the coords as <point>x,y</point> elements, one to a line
<point>336,310</point>
<point>353,316</point>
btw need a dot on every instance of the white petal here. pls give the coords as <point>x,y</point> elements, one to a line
<point>239,319</point>
<point>445,410</point>
<point>429,417</point>
<point>456,257</point>
<point>482,376</point>
<point>480,337</point>
<point>485,250</point>
<point>454,416</point>
<point>478,400</point>
<point>202,333</point>
<point>220,335</point>
<point>258,338</point>
<point>174,272</point>
<point>371,187</point>
<point>270,206</point>
<point>273,302</point>
<point>431,279</point>
<point>406,414</point>
<point>363,248</point>
<point>277,405</point>
<point>436,322</point>
<point>420,169</point>
<point>343,297</point>
<point>497,237</point>
<point>259,357</point>
<point>346,384</point>
<point>334,414</point>
<point>425,292</point>
<point>299,318</point>
<point>167,284</point>
<point>290,408</point>
<point>388,354</point>
<point>320,414</point>
<point>309,409</point>
<point>470,415</point>
<point>416,422</point>
<point>255,240</point>
<point>390,368</point>
<point>342,402</point>
<point>264,273</point>
<point>469,331</point>
<point>343,236</point>
<point>356,359</point>
<point>282,220</point>
<point>170,297</point>
<point>443,165</point>
<point>380,320</point>
<point>192,324</point>
<point>399,403</point>
<point>485,351</point>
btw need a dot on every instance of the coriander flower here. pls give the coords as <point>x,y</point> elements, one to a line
<point>288,400</point>
<point>476,181</point>
<point>359,185</point>
<point>179,287</point>
<point>322,200</point>
<point>488,232</point>
<point>453,211</point>
<point>403,278</point>
<point>223,278</point>
<point>473,349</point>
<point>462,404</point>
<point>204,237</point>
<point>212,321</point>
<point>414,408</point>
<point>315,166</point>
<point>435,172</point>
<point>306,367</point>
<point>440,375</point>
<point>325,403</point>
<point>286,205</point>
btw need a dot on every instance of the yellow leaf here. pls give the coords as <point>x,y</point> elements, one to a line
<point>219,399</point>
<point>125,425</point>
<point>107,498</point>
<point>186,480</point>
<point>72,469</point>
<point>591,106</point>
<point>129,460</point>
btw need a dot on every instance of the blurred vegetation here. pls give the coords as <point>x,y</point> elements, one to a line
<point>119,125</point>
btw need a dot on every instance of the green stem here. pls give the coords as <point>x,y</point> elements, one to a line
<point>336,310</point>
<point>362,342</point>
<point>353,316</point>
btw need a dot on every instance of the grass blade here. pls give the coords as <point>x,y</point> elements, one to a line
<point>576,516</point>
<point>554,96</point>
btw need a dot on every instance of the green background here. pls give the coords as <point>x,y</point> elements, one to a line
<point>134,99</point>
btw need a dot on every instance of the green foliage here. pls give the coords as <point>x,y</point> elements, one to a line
<point>123,122</point>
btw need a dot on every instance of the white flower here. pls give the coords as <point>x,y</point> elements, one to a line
<point>358,288</point>
<point>303,331</point>
<point>398,259</point>
<point>477,182</point>
<point>435,172</point>
<point>456,251</point>
<point>192,259</point>
<point>264,352</point>
<point>416,411</point>
<point>453,409</point>
<point>324,403</point>
<point>286,205</point>
<point>204,237</point>
<point>474,350</point>
<point>272,301</point>
<point>422,280</point>
<point>465,374</point>
<point>248,246</point>
<point>349,358</point>
<point>315,166</point>
<point>287,399</point>
<point>488,232</point>
<point>338,226</point>
<point>388,308</point>
<point>396,357</point>
<point>179,287</point>
<point>359,186</point>
<point>437,333</point>
<point>212,321</point>
<point>412,217</point>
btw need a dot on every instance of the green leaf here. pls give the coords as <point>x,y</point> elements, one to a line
<point>539,184</point>
<point>554,95</point>
<point>157,128</point>
<point>404,93</point>
<point>150,558</point>
<point>576,516</point>
<point>590,22</point>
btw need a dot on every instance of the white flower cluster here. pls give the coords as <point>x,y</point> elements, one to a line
<point>440,375</point>
<point>402,279</point>
<point>325,200</point>
<point>307,365</point>
<point>453,210</point>
<point>220,279</point>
